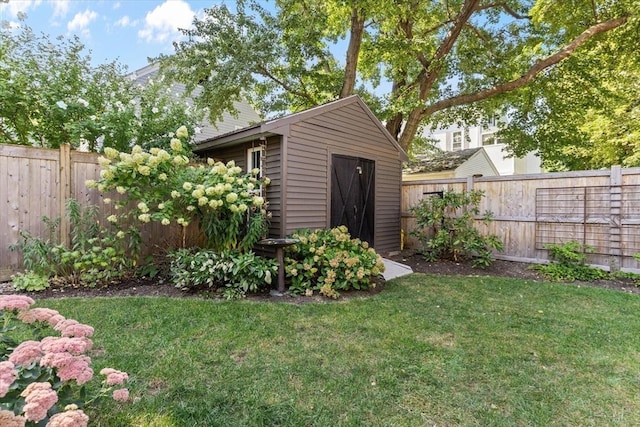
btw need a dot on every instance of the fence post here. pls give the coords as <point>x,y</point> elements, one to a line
<point>65,191</point>
<point>469,183</point>
<point>615,223</point>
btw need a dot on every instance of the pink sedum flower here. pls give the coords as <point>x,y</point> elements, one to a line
<point>39,398</point>
<point>77,330</point>
<point>69,367</point>
<point>15,302</point>
<point>40,314</point>
<point>114,377</point>
<point>75,346</point>
<point>8,374</point>
<point>9,419</point>
<point>73,418</point>
<point>26,353</point>
<point>121,395</point>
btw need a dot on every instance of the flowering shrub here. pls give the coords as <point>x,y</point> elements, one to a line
<point>330,260</point>
<point>42,381</point>
<point>164,186</point>
<point>238,273</point>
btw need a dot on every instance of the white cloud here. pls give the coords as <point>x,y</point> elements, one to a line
<point>162,23</point>
<point>12,8</point>
<point>81,21</point>
<point>116,5</point>
<point>125,21</point>
<point>60,7</point>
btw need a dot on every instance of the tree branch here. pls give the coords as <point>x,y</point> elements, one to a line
<point>265,72</point>
<point>538,67</point>
<point>508,9</point>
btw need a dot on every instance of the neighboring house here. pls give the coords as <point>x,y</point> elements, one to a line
<point>246,114</point>
<point>450,164</point>
<point>331,165</point>
<point>456,138</point>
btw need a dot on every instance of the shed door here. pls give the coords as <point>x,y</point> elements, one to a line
<point>352,195</point>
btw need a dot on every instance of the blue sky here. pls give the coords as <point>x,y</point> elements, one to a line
<point>125,30</point>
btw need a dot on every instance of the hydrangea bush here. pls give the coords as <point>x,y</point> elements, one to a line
<point>167,187</point>
<point>329,261</point>
<point>43,380</point>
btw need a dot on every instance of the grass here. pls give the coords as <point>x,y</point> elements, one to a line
<point>429,350</point>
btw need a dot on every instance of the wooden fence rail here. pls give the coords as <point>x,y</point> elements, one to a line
<point>596,208</point>
<point>37,182</point>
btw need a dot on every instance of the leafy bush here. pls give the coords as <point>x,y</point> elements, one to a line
<point>329,261</point>
<point>446,230</point>
<point>30,281</point>
<point>95,255</point>
<point>569,263</point>
<point>166,187</point>
<point>235,272</point>
<point>43,379</point>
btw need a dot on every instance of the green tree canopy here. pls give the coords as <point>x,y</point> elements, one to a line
<point>415,62</point>
<point>50,94</point>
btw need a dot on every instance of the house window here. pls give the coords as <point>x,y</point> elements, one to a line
<point>457,141</point>
<point>490,139</point>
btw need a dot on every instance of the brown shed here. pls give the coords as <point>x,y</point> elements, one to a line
<point>331,165</point>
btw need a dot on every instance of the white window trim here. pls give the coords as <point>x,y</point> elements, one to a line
<point>250,166</point>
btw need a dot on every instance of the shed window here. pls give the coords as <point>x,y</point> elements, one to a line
<point>254,161</point>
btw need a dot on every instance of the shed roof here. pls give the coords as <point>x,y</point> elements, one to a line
<point>279,126</point>
<point>442,161</point>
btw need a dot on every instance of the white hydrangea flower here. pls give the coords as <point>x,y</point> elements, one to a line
<point>182,132</point>
<point>175,144</point>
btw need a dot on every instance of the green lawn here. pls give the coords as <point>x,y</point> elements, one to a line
<point>428,350</point>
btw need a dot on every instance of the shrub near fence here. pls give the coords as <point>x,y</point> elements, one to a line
<point>37,182</point>
<point>596,208</point>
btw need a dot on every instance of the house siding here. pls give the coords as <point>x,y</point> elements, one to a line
<point>349,131</point>
<point>476,165</point>
<point>246,115</point>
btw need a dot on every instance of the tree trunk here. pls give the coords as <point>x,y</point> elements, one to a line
<point>410,129</point>
<point>355,41</point>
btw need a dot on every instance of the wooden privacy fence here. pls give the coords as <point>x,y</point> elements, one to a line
<point>37,182</point>
<point>597,208</point>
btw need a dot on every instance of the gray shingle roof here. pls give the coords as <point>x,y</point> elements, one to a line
<point>442,161</point>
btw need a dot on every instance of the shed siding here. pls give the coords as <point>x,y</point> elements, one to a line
<point>272,169</point>
<point>348,131</point>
